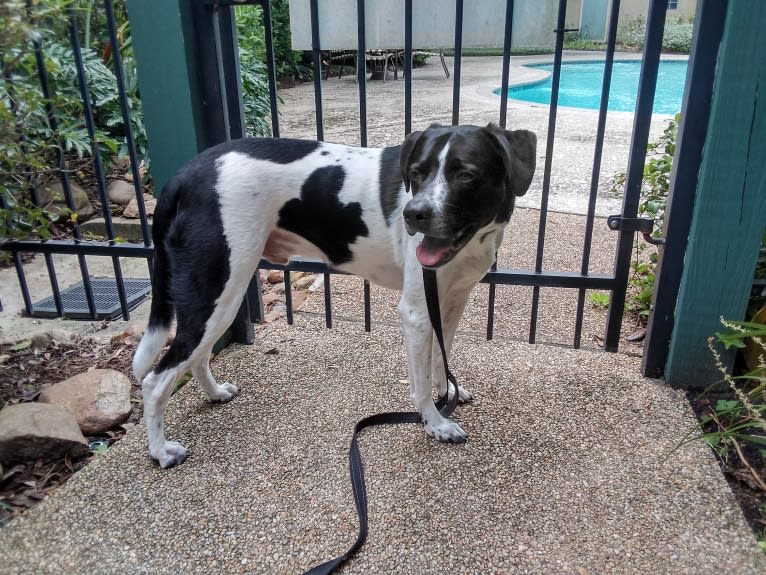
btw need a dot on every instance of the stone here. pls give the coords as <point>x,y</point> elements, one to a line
<point>299,298</point>
<point>131,210</point>
<point>275,277</point>
<point>99,399</point>
<point>270,298</point>
<point>120,192</point>
<point>32,431</point>
<point>52,196</point>
<point>305,282</point>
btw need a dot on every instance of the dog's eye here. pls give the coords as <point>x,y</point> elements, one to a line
<point>466,177</point>
<point>415,176</point>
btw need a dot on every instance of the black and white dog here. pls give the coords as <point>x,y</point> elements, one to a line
<point>440,200</point>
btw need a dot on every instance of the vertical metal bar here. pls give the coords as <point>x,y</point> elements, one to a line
<point>224,108</point>
<point>508,32</point>
<point>327,301</point>
<point>555,80</point>
<point>600,130</point>
<point>506,62</point>
<point>317,60</point>
<point>362,78</point>
<point>232,77</point>
<point>288,297</point>
<point>458,62</point>
<point>242,330</point>
<point>210,75</point>
<point>255,297</point>
<point>407,66</point>
<point>367,310</point>
<point>97,163</point>
<point>22,283</point>
<point>125,109</point>
<point>700,77</point>
<point>655,26</point>
<point>271,67</point>
<point>361,71</point>
<point>63,174</point>
<point>54,285</point>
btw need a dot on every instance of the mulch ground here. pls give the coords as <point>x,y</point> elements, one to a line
<point>24,372</point>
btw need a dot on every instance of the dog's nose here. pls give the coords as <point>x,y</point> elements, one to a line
<point>418,215</point>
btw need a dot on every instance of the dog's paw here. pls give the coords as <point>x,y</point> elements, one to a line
<point>169,454</point>
<point>445,431</point>
<point>222,393</point>
<point>464,396</point>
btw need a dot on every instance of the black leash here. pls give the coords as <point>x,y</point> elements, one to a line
<point>356,468</point>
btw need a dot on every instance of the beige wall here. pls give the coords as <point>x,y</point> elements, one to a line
<point>630,10</point>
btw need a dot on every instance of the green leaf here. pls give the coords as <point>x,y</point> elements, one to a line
<point>22,345</point>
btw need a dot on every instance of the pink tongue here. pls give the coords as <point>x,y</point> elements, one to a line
<point>428,258</point>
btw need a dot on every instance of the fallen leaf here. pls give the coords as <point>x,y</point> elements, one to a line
<point>22,345</point>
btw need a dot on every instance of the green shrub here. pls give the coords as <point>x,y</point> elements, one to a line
<point>27,144</point>
<point>676,38</point>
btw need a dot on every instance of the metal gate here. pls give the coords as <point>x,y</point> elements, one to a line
<point>217,60</point>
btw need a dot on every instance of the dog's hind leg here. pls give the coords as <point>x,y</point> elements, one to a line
<point>216,392</point>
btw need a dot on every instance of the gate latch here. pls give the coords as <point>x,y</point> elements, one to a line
<point>643,225</point>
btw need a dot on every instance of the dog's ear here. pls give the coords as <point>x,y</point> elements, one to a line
<point>405,155</point>
<point>518,149</point>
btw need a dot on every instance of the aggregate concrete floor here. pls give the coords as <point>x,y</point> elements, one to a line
<point>570,465</point>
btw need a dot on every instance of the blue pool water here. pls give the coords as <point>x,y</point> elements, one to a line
<point>580,86</point>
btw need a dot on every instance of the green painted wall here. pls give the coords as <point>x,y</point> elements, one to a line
<point>162,40</point>
<point>730,209</point>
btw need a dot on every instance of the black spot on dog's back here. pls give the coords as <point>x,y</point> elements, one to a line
<point>390,182</point>
<point>320,217</point>
<point>277,150</point>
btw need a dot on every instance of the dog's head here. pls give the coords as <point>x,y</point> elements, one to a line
<point>462,178</point>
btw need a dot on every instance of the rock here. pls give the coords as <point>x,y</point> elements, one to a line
<point>269,298</point>
<point>299,298</point>
<point>99,399</point>
<point>52,196</point>
<point>121,192</point>
<point>305,281</point>
<point>274,315</point>
<point>31,431</point>
<point>278,288</point>
<point>275,277</point>
<point>131,210</point>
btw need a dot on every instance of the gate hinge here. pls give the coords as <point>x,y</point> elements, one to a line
<point>643,225</point>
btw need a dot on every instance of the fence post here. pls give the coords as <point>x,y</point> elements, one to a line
<point>163,34</point>
<point>730,209</point>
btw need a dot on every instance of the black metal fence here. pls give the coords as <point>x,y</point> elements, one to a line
<point>224,119</point>
<point>226,96</point>
<point>93,298</point>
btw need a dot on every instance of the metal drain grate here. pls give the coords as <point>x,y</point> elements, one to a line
<point>105,295</point>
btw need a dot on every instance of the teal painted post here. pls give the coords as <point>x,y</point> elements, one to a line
<point>730,207</point>
<point>163,42</point>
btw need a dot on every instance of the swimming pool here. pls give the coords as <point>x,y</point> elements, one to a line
<point>580,86</point>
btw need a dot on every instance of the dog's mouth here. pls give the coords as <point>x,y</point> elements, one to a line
<point>435,252</point>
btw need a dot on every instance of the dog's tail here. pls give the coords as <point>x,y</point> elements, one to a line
<point>161,314</point>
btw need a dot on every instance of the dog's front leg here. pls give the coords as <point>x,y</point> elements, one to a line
<point>418,337</point>
<point>452,312</point>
